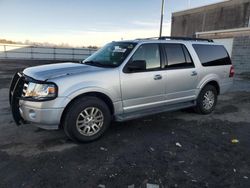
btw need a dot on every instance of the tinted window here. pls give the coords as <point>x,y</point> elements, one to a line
<point>178,56</point>
<point>212,55</point>
<point>150,53</point>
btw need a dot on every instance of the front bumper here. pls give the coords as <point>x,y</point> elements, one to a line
<point>44,118</point>
<point>44,114</point>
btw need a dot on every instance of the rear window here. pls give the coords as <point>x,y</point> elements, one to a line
<point>212,55</point>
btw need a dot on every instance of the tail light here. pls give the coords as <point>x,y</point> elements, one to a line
<point>231,73</point>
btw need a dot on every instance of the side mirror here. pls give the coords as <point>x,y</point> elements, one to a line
<point>137,65</point>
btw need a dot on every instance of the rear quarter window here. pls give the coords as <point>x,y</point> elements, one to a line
<point>212,55</point>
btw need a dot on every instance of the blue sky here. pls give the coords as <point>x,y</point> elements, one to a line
<point>86,22</point>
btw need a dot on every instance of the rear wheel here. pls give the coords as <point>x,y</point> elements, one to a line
<point>206,100</point>
<point>86,119</point>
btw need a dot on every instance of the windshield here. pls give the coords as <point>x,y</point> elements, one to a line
<point>111,55</point>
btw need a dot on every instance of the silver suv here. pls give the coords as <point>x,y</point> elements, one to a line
<point>122,81</point>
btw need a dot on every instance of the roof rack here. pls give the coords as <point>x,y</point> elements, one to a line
<point>184,38</point>
<point>177,38</point>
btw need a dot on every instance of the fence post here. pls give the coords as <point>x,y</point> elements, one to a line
<point>5,53</point>
<point>54,51</point>
<point>31,52</point>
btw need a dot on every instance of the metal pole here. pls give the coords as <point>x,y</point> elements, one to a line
<point>5,52</point>
<point>162,15</point>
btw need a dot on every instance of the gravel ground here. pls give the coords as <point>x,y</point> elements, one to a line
<point>177,149</point>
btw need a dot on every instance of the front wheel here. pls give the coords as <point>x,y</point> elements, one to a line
<point>86,119</point>
<point>206,100</point>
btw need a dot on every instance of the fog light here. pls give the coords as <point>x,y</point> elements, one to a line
<point>32,114</point>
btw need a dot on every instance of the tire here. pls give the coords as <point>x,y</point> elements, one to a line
<point>86,119</point>
<point>204,105</point>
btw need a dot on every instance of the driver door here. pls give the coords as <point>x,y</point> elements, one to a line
<point>144,89</point>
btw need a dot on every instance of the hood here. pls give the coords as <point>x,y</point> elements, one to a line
<point>46,72</point>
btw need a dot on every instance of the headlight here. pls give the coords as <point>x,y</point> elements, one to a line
<point>40,91</point>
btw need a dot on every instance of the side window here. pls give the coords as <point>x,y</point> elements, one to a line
<point>212,55</point>
<point>149,53</point>
<point>178,56</point>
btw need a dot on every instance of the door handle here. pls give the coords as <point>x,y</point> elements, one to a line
<point>157,77</point>
<point>194,73</point>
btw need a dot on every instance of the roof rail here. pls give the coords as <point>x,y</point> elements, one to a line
<point>184,38</point>
<point>177,38</point>
<point>150,38</point>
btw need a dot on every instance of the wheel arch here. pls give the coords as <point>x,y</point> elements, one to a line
<point>213,83</point>
<point>99,95</point>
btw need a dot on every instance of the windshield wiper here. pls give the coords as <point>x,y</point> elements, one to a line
<point>93,63</point>
<point>99,64</point>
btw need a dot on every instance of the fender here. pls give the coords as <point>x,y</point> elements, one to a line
<point>208,78</point>
<point>116,102</point>
<point>91,89</point>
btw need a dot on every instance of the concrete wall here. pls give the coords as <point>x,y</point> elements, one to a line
<point>16,51</point>
<point>225,15</point>
<point>241,54</point>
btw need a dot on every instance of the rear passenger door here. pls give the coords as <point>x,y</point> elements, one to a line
<point>181,74</point>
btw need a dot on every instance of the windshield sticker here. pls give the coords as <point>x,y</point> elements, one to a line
<point>119,50</point>
<point>130,46</point>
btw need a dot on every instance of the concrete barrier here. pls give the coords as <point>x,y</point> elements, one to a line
<point>19,51</point>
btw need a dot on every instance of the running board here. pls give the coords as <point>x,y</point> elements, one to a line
<point>155,110</point>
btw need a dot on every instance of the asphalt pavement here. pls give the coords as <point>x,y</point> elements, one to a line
<point>175,149</point>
